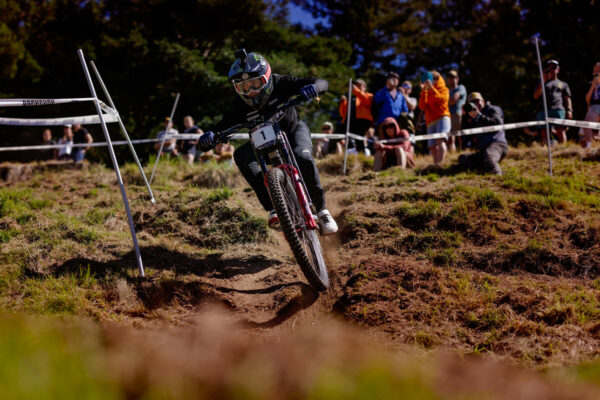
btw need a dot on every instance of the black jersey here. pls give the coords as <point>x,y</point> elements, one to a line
<point>284,87</point>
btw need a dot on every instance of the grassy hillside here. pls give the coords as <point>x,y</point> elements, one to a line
<point>500,268</point>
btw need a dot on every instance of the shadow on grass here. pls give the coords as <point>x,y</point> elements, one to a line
<point>162,259</point>
<point>451,170</point>
<point>179,289</point>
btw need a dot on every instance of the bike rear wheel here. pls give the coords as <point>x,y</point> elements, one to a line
<point>304,242</point>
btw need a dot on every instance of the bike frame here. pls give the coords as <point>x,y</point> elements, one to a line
<point>290,167</point>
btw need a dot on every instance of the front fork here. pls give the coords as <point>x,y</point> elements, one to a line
<point>292,172</point>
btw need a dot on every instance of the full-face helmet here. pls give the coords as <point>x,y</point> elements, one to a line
<point>251,78</point>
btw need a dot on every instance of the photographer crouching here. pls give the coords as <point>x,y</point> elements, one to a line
<point>491,147</point>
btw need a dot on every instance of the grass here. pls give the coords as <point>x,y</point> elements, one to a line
<point>442,258</point>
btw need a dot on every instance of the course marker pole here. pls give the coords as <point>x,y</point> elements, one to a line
<point>164,139</point>
<point>135,157</point>
<point>111,151</point>
<point>537,49</point>
<point>347,125</point>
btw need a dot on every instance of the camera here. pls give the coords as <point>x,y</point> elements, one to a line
<point>468,107</point>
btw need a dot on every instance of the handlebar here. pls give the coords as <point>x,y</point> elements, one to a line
<point>223,136</point>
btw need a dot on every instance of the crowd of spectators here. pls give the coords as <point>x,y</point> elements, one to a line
<point>444,106</point>
<point>386,120</point>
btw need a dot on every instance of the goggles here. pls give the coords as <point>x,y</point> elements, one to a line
<point>250,85</point>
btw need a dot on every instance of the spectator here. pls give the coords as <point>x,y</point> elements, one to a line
<point>188,146</point>
<point>558,96</point>
<point>434,103</point>
<point>389,154</point>
<point>80,136</point>
<point>491,147</point>
<point>411,102</point>
<point>64,152</point>
<point>47,154</point>
<point>370,139</point>
<point>361,117</point>
<point>388,101</point>
<point>321,147</point>
<point>592,98</point>
<point>170,145</point>
<point>456,101</point>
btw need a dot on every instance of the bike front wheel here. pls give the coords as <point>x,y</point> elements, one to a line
<point>304,242</point>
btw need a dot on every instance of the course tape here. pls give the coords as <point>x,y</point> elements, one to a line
<point>40,102</point>
<point>58,146</point>
<point>578,124</point>
<point>463,132</point>
<point>83,120</point>
<point>186,136</point>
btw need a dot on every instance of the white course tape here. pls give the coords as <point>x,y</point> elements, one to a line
<point>139,141</point>
<point>245,136</point>
<point>184,136</point>
<point>58,146</point>
<point>39,102</point>
<point>578,124</point>
<point>84,120</point>
<point>464,132</point>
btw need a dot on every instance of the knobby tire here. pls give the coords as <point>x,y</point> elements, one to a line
<point>304,242</point>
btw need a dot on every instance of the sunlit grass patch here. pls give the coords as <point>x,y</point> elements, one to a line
<point>35,356</point>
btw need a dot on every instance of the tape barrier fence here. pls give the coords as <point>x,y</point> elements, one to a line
<point>577,124</point>
<point>464,132</point>
<point>245,136</point>
<point>40,102</point>
<point>83,120</point>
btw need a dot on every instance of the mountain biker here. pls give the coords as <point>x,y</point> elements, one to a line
<point>259,91</point>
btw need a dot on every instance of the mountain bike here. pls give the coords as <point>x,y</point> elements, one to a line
<point>287,190</point>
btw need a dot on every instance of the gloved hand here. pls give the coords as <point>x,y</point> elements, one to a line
<point>207,141</point>
<point>309,92</point>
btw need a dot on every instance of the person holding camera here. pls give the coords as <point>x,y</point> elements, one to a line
<point>433,101</point>
<point>491,147</point>
<point>592,98</point>
<point>558,96</point>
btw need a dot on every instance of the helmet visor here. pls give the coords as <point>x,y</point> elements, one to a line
<point>250,85</point>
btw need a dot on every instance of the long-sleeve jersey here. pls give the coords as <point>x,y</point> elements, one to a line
<point>284,87</point>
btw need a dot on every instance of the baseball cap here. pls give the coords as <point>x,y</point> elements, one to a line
<point>327,124</point>
<point>361,82</point>
<point>551,62</point>
<point>67,126</point>
<point>453,73</point>
<point>474,96</point>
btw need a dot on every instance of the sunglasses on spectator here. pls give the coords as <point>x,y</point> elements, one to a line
<point>326,128</point>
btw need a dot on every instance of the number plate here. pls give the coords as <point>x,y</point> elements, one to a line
<point>263,136</point>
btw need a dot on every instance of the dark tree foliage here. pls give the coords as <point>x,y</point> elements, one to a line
<point>146,51</point>
<point>488,41</point>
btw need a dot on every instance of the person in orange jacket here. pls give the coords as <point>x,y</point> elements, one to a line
<point>434,102</point>
<point>361,117</point>
<point>388,154</point>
